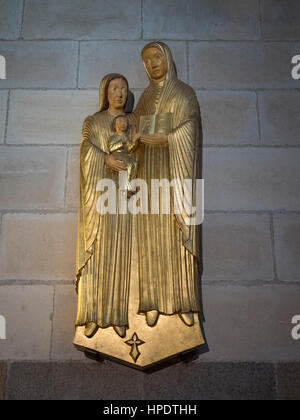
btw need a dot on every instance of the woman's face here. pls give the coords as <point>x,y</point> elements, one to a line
<point>117,94</point>
<point>156,63</point>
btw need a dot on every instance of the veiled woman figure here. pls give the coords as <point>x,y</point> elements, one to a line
<point>104,240</point>
<point>168,245</point>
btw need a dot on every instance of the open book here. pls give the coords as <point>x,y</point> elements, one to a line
<point>156,124</point>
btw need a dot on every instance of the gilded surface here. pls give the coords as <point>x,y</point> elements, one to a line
<point>140,274</point>
<point>168,338</point>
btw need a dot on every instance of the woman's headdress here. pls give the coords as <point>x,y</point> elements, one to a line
<point>103,92</point>
<point>172,72</point>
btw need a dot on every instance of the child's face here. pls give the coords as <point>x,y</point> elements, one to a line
<point>121,125</point>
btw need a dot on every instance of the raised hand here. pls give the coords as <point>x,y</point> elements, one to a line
<point>136,137</point>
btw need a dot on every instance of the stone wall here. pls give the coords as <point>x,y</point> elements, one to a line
<point>237,56</point>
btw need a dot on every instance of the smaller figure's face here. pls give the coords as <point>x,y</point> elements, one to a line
<point>117,93</point>
<point>121,125</point>
<point>156,63</point>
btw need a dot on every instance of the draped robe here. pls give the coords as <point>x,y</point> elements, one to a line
<point>168,247</point>
<point>103,244</point>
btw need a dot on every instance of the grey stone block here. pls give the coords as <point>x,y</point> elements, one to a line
<point>281,19</point>
<point>10,18</point>
<point>250,323</point>
<point>38,247</point>
<point>70,19</point>
<point>28,311</point>
<point>228,117</point>
<point>249,381</point>
<point>3,376</point>
<point>288,381</point>
<point>64,324</point>
<point>74,381</point>
<point>208,19</point>
<point>279,117</point>
<point>49,117</point>
<point>251,178</point>
<point>44,64</point>
<point>237,247</point>
<point>107,381</point>
<point>287,247</point>
<point>3,109</point>
<point>99,58</point>
<point>72,194</point>
<point>30,381</point>
<point>212,381</point>
<point>32,177</point>
<point>242,65</point>
<point>137,94</point>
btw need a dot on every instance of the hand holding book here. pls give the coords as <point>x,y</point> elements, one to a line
<point>154,139</point>
<point>155,128</point>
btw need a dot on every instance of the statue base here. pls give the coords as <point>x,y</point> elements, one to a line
<point>144,346</point>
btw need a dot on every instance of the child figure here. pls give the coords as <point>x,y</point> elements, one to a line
<point>122,146</point>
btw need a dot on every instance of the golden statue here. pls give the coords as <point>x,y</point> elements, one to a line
<point>102,269</point>
<point>169,258</point>
<point>139,273</point>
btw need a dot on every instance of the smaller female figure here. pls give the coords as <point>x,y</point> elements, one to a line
<point>104,240</point>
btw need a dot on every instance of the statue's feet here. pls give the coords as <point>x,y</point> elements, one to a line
<point>90,329</point>
<point>187,318</point>
<point>121,331</point>
<point>152,317</point>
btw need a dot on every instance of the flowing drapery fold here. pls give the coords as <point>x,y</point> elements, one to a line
<point>104,240</point>
<point>168,245</point>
